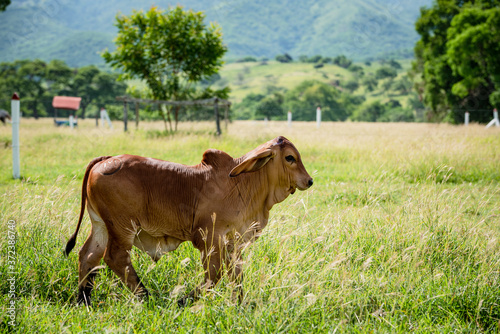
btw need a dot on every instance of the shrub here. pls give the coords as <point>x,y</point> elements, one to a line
<point>386,72</point>
<point>246,59</point>
<point>342,61</point>
<point>284,58</point>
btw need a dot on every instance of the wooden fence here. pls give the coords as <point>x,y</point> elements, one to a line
<point>215,102</point>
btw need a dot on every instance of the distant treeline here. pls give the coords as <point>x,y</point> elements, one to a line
<point>340,100</point>
<point>340,60</point>
<point>37,82</point>
<point>337,104</point>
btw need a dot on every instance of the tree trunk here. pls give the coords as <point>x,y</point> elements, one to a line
<point>84,108</point>
<point>35,109</point>
<point>169,119</point>
<point>176,114</point>
<point>216,112</point>
<point>136,115</point>
<point>162,113</point>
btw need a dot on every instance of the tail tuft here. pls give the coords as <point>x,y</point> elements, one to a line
<point>70,245</point>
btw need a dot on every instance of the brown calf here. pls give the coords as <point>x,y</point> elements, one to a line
<point>220,205</point>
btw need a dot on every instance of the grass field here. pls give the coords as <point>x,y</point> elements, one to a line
<point>400,232</point>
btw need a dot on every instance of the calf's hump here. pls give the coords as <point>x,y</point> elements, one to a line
<point>109,166</point>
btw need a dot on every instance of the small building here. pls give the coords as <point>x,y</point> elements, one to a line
<point>67,103</point>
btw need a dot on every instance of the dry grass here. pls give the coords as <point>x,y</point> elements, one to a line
<point>400,232</point>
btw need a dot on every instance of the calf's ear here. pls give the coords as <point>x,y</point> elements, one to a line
<point>253,162</point>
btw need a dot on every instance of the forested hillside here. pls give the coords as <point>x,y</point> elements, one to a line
<point>77,32</point>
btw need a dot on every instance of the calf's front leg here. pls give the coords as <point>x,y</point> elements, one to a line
<point>213,258</point>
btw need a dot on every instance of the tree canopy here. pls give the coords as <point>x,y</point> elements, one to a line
<point>170,50</point>
<point>4,4</point>
<point>457,58</point>
<point>307,96</point>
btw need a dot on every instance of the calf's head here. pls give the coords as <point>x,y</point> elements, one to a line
<point>282,163</point>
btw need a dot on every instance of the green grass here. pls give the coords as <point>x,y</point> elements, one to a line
<point>400,232</point>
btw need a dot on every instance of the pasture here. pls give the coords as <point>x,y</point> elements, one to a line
<point>400,232</point>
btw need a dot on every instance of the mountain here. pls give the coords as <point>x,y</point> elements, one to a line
<point>77,31</point>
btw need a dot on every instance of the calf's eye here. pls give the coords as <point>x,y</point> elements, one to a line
<point>290,158</point>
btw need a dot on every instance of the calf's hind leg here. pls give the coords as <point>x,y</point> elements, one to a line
<point>89,257</point>
<point>117,257</point>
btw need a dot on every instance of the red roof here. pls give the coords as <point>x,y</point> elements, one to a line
<point>66,102</point>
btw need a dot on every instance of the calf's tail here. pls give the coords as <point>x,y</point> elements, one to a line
<point>72,241</point>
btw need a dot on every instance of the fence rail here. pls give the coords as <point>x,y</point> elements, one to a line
<point>204,102</point>
<point>214,101</point>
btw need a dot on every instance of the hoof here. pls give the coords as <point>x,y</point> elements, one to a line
<point>83,299</point>
<point>185,301</point>
<point>143,296</point>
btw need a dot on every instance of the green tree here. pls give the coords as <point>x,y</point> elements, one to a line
<point>107,88</point>
<point>307,96</point>
<point>197,113</point>
<point>81,86</point>
<point>342,61</point>
<point>94,87</point>
<point>284,58</point>
<point>246,108</point>
<point>315,59</point>
<point>170,50</point>
<point>394,64</point>
<point>351,85</point>
<point>397,114</point>
<point>370,82</point>
<point>38,82</point>
<point>356,69</point>
<point>403,85</point>
<point>350,102</point>
<point>33,75</point>
<point>246,59</point>
<point>455,59</point>
<point>58,75</point>
<point>369,113</point>
<point>473,51</point>
<point>4,4</point>
<point>29,79</point>
<point>303,58</point>
<point>387,85</point>
<point>270,106</point>
<point>386,72</point>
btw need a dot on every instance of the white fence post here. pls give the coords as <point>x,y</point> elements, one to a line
<point>105,117</point>
<point>102,117</point>
<point>466,121</point>
<point>318,117</point>
<point>289,119</point>
<point>266,121</point>
<point>16,162</point>
<point>71,122</point>
<point>494,120</point>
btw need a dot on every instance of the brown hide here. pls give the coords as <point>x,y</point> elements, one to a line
<point>156,205</point>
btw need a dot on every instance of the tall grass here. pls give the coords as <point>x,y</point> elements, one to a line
<point>400,232</point>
